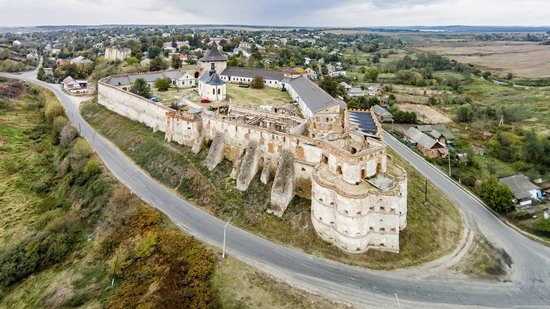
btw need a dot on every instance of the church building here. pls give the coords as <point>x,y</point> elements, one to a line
<point>211,86</point>
<point>214,57</point>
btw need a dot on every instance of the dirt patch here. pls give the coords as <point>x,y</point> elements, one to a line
<point>425,113</point>
<point>485,261</point>
<point>529,60</point>
<point>12,89</point>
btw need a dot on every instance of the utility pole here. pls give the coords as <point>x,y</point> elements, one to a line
<point>449,157</point>
<point>426,193</point>
<point>224,236</point>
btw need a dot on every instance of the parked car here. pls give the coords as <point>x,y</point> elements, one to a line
<point>205,100</point>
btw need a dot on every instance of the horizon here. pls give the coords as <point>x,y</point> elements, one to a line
<point>281,13</point>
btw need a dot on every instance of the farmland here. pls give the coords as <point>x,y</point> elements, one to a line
<point>523,59</point>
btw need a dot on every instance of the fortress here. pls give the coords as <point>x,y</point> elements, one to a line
<point>334,156</point>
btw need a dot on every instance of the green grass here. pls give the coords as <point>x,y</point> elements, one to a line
<point>432,231</point>
<point>249,96</point>
<point>533,103</point>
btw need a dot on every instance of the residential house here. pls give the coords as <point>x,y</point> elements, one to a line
<point>525,192</point>
<point>346,86</point>
<point>356,92</point>
<point>75,87</point>
<point>81,60</point>
<point>382,114</point>
<point>427,145</point>
<point>374,90</point>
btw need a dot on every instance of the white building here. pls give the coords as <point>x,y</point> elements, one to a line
<point>211,87</point>
<point>116,53</point>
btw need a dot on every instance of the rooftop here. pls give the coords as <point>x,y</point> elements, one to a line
<point>313,96</point>
<point>520,186</point>
<point>214,54</point>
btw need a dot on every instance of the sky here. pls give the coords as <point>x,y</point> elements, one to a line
<point>329,13</point>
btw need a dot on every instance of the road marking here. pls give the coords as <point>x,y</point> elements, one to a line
<point>397,298</point>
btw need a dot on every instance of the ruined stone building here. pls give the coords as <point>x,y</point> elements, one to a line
<point>334,156</point>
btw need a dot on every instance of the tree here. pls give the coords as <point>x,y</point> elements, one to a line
<point>465,113</point>
<point>257,82</point>
<point>176,62</point>
<point>158,64</point>
<point>163,84</point>
<point>486,74</point>
<point>41,75</point>
<point>331,86</point>
<point>153,52</point>
<point>373,73</point>
<point>509,76</point>
<point>496,195</point>
<point>141,88</point>
<point>132,60</point>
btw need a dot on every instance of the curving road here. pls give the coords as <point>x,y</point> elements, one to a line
<point>529,287</point>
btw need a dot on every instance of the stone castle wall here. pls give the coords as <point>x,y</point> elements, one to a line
<point>345,211</point>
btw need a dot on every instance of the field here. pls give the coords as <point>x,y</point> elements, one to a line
<point>527,60</point>
<point>432,230</point>
<point>248,96</point>
<point>425,113</point>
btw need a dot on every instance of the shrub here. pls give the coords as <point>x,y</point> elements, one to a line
<point>53,110</point>
<point>543,226</point>
<point>67,135</point>
<point>81,149</point>
<point>465,113</point>
<point>257,82</point>
<point>92,167</point>
<point>163,84</point>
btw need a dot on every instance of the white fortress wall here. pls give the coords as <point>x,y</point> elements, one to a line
<point>133,106</point>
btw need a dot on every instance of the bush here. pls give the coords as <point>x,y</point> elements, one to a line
<point>163,84</point>
<point>38,251</point>
<point>257,82</point>
<point>465,113</point>
<point>81,149</point>
<point>141,88</point>
<point>496,195</point>
<point>542,226</point>
<point>67,135</point>
<point>92,167</point>
<point>53,110</point>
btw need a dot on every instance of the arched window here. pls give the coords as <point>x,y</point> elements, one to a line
<point>339,170</point>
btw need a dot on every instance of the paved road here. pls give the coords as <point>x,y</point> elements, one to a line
<point>530,284</point>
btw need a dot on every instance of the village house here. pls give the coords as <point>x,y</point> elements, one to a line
<point>525,192</point>
<point>382,114</point>
<point>75,87</point>
<point>81,60</point>
<point>427,145</point>
<point>356,92</point>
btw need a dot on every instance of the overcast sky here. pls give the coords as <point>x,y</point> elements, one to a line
<point>350,13</point>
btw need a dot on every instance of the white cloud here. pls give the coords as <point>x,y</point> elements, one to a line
<point>276,12</point>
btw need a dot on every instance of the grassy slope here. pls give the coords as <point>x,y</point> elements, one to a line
<point>130,234</point>
<point>106,221</point>
<point>432,231</point>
